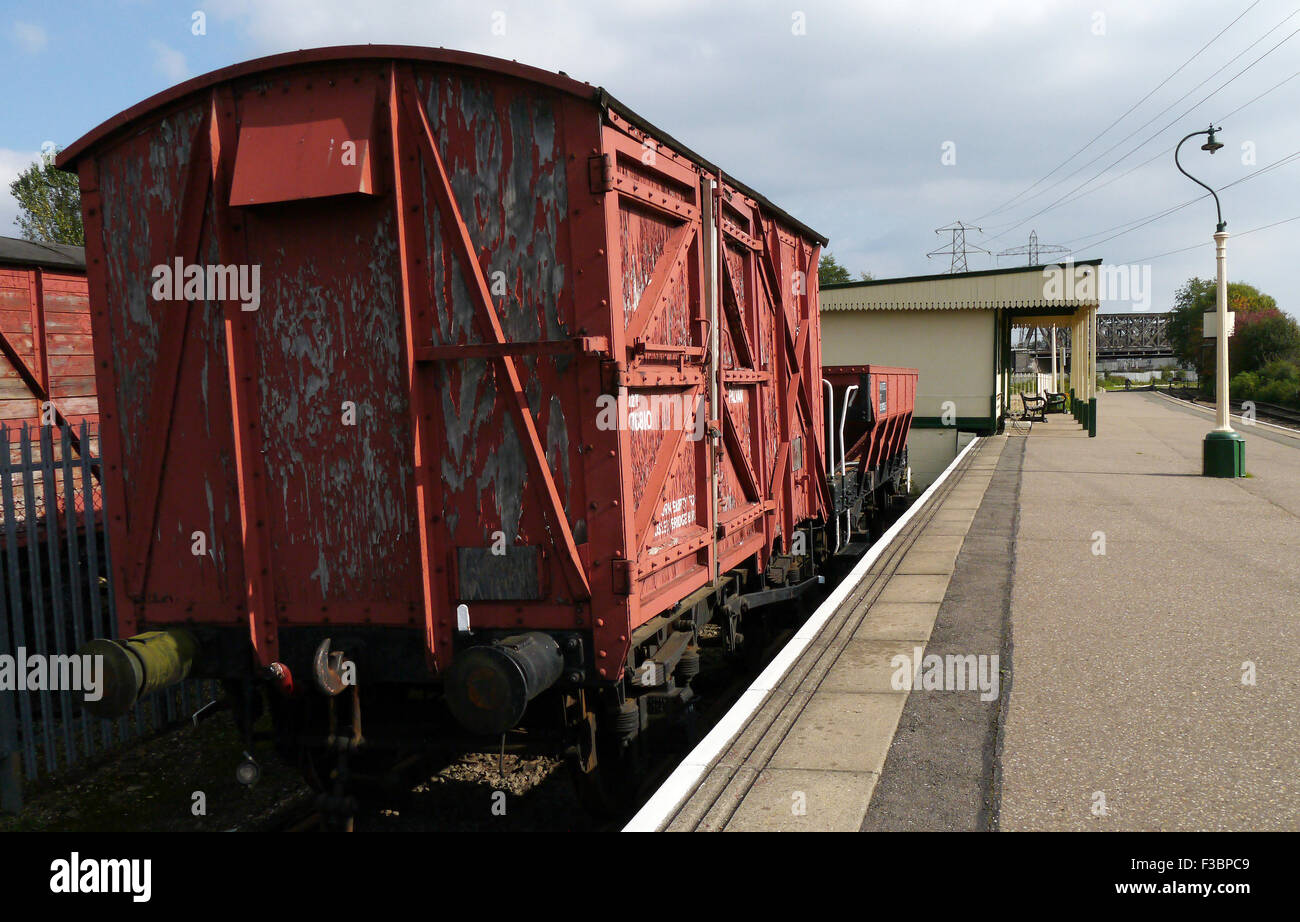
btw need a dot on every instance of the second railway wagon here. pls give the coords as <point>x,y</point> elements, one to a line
<point>869,410</point>
<point>46,362</point>
<point>421,369</point>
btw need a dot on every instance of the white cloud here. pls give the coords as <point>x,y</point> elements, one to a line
<point>12,162</point>
<point>30,37</point>
<point>170,61</point>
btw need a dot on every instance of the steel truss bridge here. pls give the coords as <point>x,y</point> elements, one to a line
<point>1119,336</point>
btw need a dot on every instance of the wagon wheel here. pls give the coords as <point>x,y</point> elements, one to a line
<point>607,773</point>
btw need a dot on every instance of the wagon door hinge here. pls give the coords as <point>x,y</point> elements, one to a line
<point>621,572</point>
<point>600,174</point>
<point>611,371</point>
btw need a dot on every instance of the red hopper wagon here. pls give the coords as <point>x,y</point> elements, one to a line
<point>526,393</point>
<point>869,409</point>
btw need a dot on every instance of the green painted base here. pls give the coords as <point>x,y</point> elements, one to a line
<point>1224,455</point>
<point>1092,417</point>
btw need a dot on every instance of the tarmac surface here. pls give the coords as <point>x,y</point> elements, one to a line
<point>1156,628</point>
<point>941,773</point>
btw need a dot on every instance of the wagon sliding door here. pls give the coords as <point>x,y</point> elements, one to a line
<point>696,367</point>
<point>654,222</point>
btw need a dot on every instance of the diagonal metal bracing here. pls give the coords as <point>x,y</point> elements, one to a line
<point>489,324</point>
<point>175,323</point>
<point>652,297</point>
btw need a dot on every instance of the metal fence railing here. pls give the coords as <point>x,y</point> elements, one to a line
<point>55,594</point>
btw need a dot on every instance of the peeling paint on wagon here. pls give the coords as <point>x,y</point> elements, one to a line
<point>476,391</point>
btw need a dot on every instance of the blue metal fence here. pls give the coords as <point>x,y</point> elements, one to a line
<point>56,593</point>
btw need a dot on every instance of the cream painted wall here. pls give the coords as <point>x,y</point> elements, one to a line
<point>929,451</point>
<point>952,350</point>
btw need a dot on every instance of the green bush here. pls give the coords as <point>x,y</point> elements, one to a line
<point>1277,382</point>
<point>1245,385</point>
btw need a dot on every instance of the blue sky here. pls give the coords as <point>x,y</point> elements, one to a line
<point>841,113</point>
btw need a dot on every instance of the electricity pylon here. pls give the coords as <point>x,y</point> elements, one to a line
<point>958,248</point>
<point>1034,249</point>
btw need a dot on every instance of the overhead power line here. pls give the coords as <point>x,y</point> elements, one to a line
<point>1149,219</point>
<point>1197,246</point>
<point>1170,149</point>
<point>1138,147</point>
<point>1126,113</point>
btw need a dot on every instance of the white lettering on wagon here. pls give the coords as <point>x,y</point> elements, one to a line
<point>675,514</point>
<point>179,281</point>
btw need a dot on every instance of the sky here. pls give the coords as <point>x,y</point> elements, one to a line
<point>873,122</point>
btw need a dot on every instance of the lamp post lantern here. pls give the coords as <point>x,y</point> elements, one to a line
<point>1224,451</point>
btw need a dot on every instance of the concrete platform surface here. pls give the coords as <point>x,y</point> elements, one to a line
<point>1156,629</point>
<point>810,755</point>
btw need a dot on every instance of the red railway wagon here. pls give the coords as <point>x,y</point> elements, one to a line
<point>47,373</point>
<point>869,409</point>
<point>530,392</point>
<point>46,353</point>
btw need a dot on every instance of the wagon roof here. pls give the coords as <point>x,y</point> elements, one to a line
<point>68,158</point>
<point>17,252</point>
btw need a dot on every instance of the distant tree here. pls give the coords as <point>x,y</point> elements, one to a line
<point>1190,302</point>
<point>1250,305</point>
<point>829,271</point>
<point>50,204</point>
<point>1261,338</point>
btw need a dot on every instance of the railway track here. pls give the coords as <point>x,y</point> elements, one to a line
<point>458,794</point>
<point>1265,412</point>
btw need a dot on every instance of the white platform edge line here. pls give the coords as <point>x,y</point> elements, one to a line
<point>678,786</point>
<point>1248,425</point>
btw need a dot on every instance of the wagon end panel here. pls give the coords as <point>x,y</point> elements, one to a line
<point>160,366</point>
<point>19,366</point>
<point>46,351</point>
<point>331,398</point>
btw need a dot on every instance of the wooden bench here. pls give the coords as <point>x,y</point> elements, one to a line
<point>1035,408</point>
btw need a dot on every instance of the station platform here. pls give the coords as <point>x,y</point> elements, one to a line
<point>1145,621</point>
<point>1130,656</point>
<point>804,746</point>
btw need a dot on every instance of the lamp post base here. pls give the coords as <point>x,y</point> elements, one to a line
<point>1224,454</point>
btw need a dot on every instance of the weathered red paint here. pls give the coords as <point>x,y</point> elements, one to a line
<point>47,372</point>
<point>45,345</point>
<point>510,255</point>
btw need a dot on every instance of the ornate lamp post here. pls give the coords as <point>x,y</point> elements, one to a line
<point>1224,451</point>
